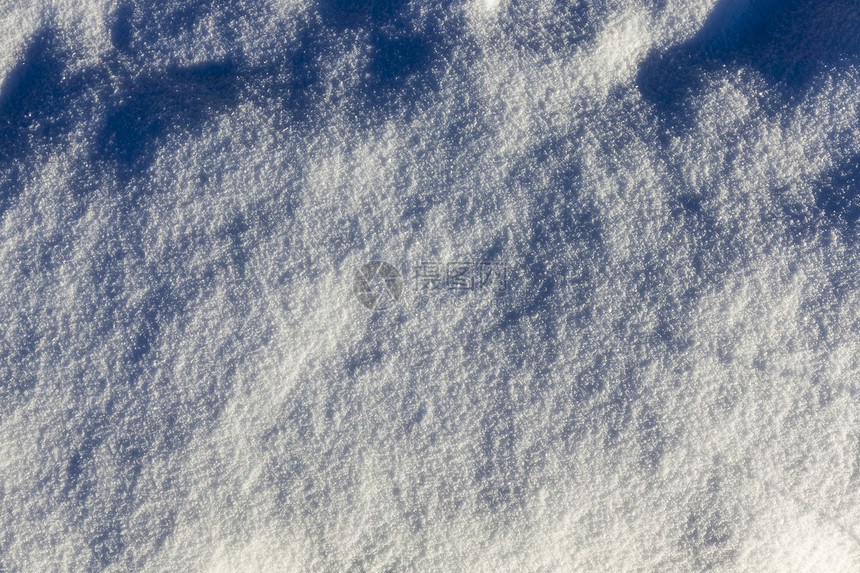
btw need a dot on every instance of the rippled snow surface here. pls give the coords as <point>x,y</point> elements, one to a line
<point>669,381</point>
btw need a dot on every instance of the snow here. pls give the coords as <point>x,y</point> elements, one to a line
<point>669,381</point>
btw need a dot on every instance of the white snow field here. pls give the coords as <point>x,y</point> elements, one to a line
<point>669,381</point>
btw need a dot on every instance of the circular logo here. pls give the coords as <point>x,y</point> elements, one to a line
<point>377,285</point>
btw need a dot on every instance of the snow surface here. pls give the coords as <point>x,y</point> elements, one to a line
<point>670,383</point>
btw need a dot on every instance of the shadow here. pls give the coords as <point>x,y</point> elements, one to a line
<point>365,359</point>
<point>235,233</point>
<point>403,57</point>
<point>559,224</point>
<point>402,73</point>
<point>107,546</point>
<point>181,98</point>
<point>413,410</point>
<point>343,14</point>
<point>301,89</point>
<point>80,470</point>
<point>555,266</point>
<point>718,252</point>
<point>122,28</point>
<point>789,42</point>
<point>31,95</point>
<point>41,99</point>
<point>400,68</point>
<point>838,198</point>
<point>159,308</point>
<point>33,107</point>
<point>836,206</point>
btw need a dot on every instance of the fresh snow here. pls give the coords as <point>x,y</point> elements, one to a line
<point>669,381</point>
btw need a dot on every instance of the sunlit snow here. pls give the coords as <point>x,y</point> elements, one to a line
<point>624,336</point>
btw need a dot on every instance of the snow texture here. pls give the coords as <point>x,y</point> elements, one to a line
<point>671,381</point>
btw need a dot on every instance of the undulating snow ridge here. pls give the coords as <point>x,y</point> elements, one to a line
<point>669,382</point>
